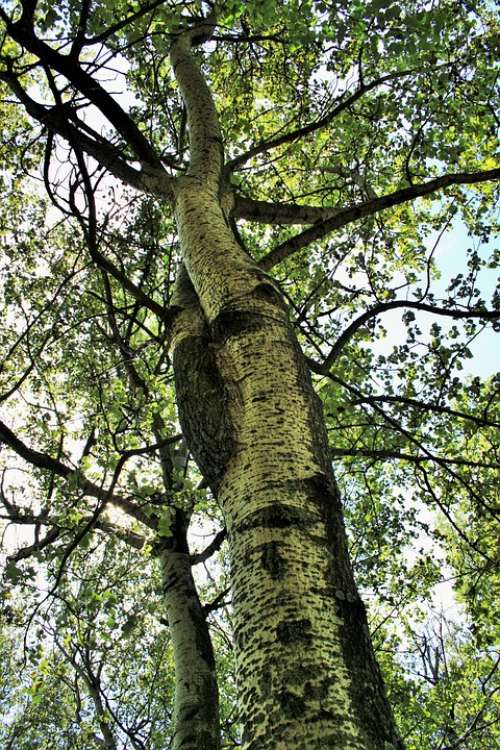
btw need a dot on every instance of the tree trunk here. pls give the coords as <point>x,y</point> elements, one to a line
<point>196,724</point>
<point>196,705</point>
<point>306,672</point>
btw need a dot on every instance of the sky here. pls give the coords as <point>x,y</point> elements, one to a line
<point>451,259</point>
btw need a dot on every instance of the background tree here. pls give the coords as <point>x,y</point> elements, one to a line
<point>371,126</point>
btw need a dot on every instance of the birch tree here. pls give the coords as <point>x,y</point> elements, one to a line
<point>278,186</point>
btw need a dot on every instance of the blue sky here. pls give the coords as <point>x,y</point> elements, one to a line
<point>451,258</point>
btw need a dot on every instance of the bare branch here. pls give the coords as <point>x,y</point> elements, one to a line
<point>427,406</point>
<point>311,127</point>
<point>213,547</point>
<point>149,179</point>
<point>387,455</point>
<point>119,25</point>
<point>23,33</point>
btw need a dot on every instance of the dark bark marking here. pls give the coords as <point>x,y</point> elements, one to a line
<point>234,322</point>
<point>290,631</point>
<point>269,293</point>
<point>297,675</point>
<point>203,642</point>
<point>319,691</point>
<point>292,705</point>
<point>272,561</point>
<point>265,682</point>
<point>202,402</point>
<point>277,516</point>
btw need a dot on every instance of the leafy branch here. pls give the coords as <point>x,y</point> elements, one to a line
<point>347,215</point>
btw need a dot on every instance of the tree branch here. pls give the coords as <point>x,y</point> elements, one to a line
<point>148,179</point>
<point>321,370</point>
<point>347,215</point>
<point>90,230</point>
<point>205,137</point>
<point>217,602</point>
<point>55,531</point>
<point>481,421</point>
<point>394,304</point>
<point>26,552</point>
<point>119,25</point>
<point>311,127</point>
<point>47,463</point>
<point>213,547</point>
<point>384,455</point>
<point>279,213</point>
<point>23,33</point>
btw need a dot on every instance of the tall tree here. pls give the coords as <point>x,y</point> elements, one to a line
<point>370,126</point>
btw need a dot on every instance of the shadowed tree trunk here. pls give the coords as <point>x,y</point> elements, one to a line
<point>196,711</point>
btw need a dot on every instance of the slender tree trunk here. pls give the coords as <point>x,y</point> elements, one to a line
<point>196,705</point>
<point>196,724</point>
<point>109,742</point>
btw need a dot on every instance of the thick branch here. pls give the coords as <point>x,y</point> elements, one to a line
<point>205,137</point>
<point>149,179</point>
<point>79,39</point>
<point>280,213</point>
<point>347,215</point>
<point>22,32</point>
<point>128,536</point>
<point>392,305</point>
